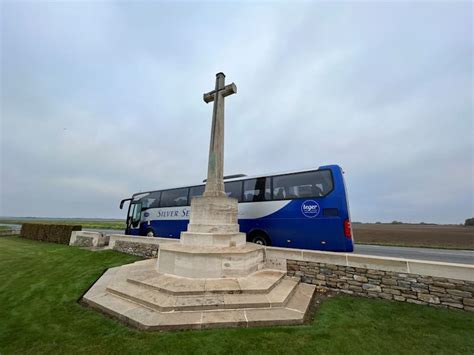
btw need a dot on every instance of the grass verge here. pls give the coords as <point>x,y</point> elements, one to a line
<point>40,284</point>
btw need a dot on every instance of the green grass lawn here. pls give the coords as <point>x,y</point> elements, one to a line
<point>40,284</point>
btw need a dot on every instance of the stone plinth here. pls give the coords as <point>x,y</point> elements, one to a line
<point>210,261</point>
<point>213,211</point>
<point>212,247</point>
<point>213,223</point>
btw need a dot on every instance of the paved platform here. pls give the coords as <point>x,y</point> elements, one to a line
<point>140,296</point>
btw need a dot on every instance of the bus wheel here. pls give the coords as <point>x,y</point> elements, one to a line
<point>260,239</point>
<point>150,232</point>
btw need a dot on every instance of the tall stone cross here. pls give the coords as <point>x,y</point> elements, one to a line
<point>215,170</point>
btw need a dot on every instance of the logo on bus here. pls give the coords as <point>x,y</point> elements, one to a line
<point>310,208</point>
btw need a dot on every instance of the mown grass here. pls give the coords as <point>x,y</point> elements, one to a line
<point>40,284</point>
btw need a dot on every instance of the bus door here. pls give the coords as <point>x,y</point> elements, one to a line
<point>133,218</point>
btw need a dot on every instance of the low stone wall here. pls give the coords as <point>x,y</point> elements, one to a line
<point>405,280</point>
<point>390,285</point>
<point>140,249</point>
<point>276,258</point>
<point>88,239</point>
<point>141,246</point>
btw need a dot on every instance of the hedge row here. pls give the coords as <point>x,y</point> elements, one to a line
<point>54,233</point>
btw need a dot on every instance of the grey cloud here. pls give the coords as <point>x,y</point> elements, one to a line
<point>101,100</point>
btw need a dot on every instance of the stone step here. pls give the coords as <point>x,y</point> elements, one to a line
<point>259,282</point>
<point>164,302</point>
<point>159,301</point>
<point>214,238</point>
<point>277,297</point>
<point>149,319</point>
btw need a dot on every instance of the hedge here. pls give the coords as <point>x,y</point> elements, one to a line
<point>54,233</point>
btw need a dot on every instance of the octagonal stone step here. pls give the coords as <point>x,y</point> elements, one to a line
<point>164,302</point>
<point>149,319</point>
<point>259,282</point>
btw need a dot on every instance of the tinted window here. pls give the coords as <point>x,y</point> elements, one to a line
<point>176,197</point>
<point>257,189</point>
<point>302,185</point>
<point>152,200</point>
<point>234,189</point>
<point>196,191</point>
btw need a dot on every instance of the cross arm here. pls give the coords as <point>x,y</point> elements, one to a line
<point>225,91</point>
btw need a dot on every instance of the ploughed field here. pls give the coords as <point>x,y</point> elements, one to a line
<point>415,235</point>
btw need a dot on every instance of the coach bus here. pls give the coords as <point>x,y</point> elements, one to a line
<point>304,209</point>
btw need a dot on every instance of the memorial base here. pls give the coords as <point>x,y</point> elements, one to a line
<point>211,278</point>
<point>139,295</point>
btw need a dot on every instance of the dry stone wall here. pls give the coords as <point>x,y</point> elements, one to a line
<point>84,241</point>
<point>390,285</point>
<point>88,239</point>
<point>137,248</point>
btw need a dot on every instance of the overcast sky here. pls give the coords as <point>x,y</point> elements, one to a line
<point>103,99</point>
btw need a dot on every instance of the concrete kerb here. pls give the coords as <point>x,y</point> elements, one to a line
<point>448,270</point>
<point>277,257</point>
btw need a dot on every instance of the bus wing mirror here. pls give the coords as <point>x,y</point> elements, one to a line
<point>123,201</point>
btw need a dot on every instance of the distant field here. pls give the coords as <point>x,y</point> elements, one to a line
<point>434,236</point>
<point>85,223</point>
<point>413,235</point>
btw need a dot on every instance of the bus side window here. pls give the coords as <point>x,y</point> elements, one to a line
<point>173,198</point>
<point>257,190</point>
<point>196,191</point>
<point>152,200</point>
<point>279,193</point>
<point>234,189</point>
<point>302,185</point>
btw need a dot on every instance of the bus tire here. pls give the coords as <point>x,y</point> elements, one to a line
<point>260,239</point>
<point>150,232</point>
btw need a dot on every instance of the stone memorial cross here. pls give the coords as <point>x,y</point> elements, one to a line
<point>215,170</point>
<point>211,277</point>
